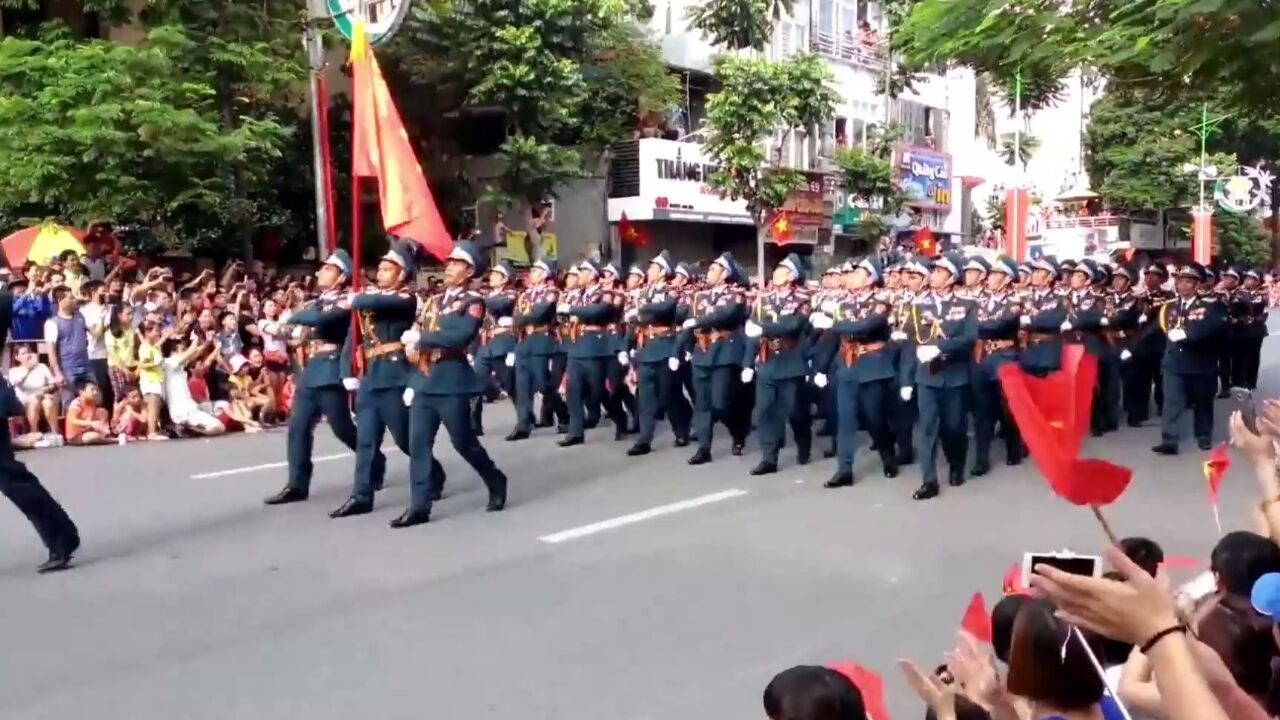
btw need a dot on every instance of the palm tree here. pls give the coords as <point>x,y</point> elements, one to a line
<point>1023,150</point>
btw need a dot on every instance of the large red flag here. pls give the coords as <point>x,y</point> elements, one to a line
<point>380,148</point>
<point>630,233</point>
<point>1053,415</point>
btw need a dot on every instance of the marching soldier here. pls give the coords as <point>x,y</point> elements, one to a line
<point>538,359</point>
<point>1087,319</point>
<point>1253,330</point>
<point>441,390</point>
<point>497,340</point>
<point>1149,346</point>
<point>999,312</point>
<point>1044,312</point>
<point>325,379</point>
<point>619,339</point>
<point>776,350</point>
<point>589,355</point>
<point>717,347</point>
<point>1230,350</point>
<point>823,347</point>
<point>1193,324</point>
<point>1123,336</point>
<point>943,328</point>
<point>914,279</point>
<point>863,369</point>
<point>385,313</point>
<point>658,381</point>
<point>975,278</point>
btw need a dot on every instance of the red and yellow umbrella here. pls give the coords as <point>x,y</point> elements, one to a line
<point>40,244</point>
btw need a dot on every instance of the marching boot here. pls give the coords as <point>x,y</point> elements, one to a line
<point>840,480</point>
<point>286,496</point>
<point>765,468</point>
<point>980,468</point>
<point>639,449</point>
<point>411,518</point>
<point>351,508</point>
<point>517,435</point>
<point>570,441</point>
<point>702,457</point>
<point>957,477</point>
<point>926,492</point>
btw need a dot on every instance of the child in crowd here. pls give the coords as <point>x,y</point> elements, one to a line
<point>130,416</point>
<point>87,421</point>
<point>151,375</point>
<point>122,349</point>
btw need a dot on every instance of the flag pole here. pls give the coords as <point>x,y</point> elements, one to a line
<point>357,268</point>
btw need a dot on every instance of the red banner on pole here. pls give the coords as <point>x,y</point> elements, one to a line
<point>1016,211</point>
<point>1202,235</point>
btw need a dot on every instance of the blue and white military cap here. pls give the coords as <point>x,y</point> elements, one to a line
<point>462,251</point>
<point>1046,263</point>
<point>832,270</point>
<point>686,270</point>
<point>847,266</point>
<point>915,267</point>
<point>948,263</point>
<point>611,268</point>
<point>635,270</point>
<point>872,267</point>
<point>1004,264</point>
<point>663,260</point>
<point>979,263</point>
<point>504,267</point>
<point>792,263</point>
<point>401,253</point>
<point>590,266</point>
<point>1252,273</point>
<point>341,260</point>
<point>547,265</point>
<point>725,261</point>
<point>1088,267</point>
<point>1231,272</point>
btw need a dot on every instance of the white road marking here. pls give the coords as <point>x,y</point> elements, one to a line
<point>265,466</point>
<point>651,513</point>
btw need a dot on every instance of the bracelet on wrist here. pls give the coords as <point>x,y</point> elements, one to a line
<point>1151,642</point>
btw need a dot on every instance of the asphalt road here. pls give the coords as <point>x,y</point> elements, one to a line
<point>612,588</point>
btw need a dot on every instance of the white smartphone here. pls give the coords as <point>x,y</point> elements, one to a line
<point>1066,561</point>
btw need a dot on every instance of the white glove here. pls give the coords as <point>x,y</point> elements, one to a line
<point>1177,335</point>
<point>505,322</point>
<point>408,397</point>
<point>631,314</point>
<point>905,393</point>
<point>673,363</point>
<point>830,307</point>
<point>688,323</point>
<point>688,357</point>
<point>927,353</point>
<point>511,360</point>
<point>897,335</point>
<point>351,384</point>
<point>821,321</point>
<point>471,359</point>
<point>1025,320</point>
<point>748,375</point>
<point>623,359</point>
<point>1066,326</point>
<point>563,308</point>
<point>410,337</point>
<point>1125,355</point>
<point>753,330</point>
<point>820,380</point>
<point>1142,318</point>
<point>1105,322</point>
<point>298,331</point>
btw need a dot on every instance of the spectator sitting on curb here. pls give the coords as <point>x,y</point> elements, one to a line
<point>87,421</point>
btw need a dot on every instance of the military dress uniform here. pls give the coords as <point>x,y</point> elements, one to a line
<point>716,348</point>
<point>777,359</point>
<point>55,528</point>
<point>441,390</point>
<point>497,340</point>
<point>1253,331</point>
<point>1088,318</point>
<point>907,411</point>
<point>1044,311</point>
<point>659,384</point>
<point>1124,334</point>
<point>619,341</point>
<point>589,354</point>
<point>1148,348</point>
<point>864,373</point>
<point>538,359</point>
<point>944,329</point>
<point>1193,326</point>
<point>999,316</point>
<point>383,316</point>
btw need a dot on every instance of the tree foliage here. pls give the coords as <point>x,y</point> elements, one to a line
<point>868,176</point>
<point>1017,150</point>
<point>738,24</point>
<point>760,100</point>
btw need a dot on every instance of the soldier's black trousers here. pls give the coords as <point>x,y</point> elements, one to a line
<point>661,391</point>
<point>1187,392</point>
<point>778,401</point>
<point>1140,374</point>
<point>942,422</point>
<point>718,396</point>
<point>309,405</point>
<point>990,407</point>
<point>427,414</point>
<point>23,488</point>
<point>493,372</point>
<point>587,385</point>
<point>539,374</point>
<point>864,406</point>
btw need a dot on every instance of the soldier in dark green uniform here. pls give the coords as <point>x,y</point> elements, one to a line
<point>536,353</point>
<point>324,382</point>
<point>1253,330</point>
<point>1123,335</point>
<point>497,340</point>
<point>1149,347</point>
<point>441,389</point>
<point>589,355</point>
<point>654,338</point>
<point>914,284</point>
<point>716,347</point>
<point>999,311</point>
<point>1231,355</point>
<point>1043,313</point>
<point>863,370</point>
<point>1193,324</point>
<point>385,313</point>
<point>943,328</point>
<point>619,337</point>
<point>777,359</point>
<point>55,528</point>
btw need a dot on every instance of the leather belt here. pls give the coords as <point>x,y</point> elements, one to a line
<point>381,349</point>
<point>315,347</point>
<point>994,345</point>
<point>592,328</point>
<point>539,329</point>
<point>775,345</point>
<point>704,338</point>
<point>427,359</point>
<point>1038,337</point>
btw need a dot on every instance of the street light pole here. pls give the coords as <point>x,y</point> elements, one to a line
<point>314,45</point>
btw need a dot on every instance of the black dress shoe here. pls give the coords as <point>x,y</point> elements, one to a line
<point>411,518</point>
<point>908,458</point>
<point>543,423</point>
<point>286,496</point>
<point>1165,449</point>
<point>702,457</point>
<point>562,429</point>
<point>570,441</point>
<point>737,449</point>
<point>620,434</point>
<point>839,480</point>
<point>926,492</point>
<point>802,459</point>
<point>682,442</point>
<point>957,478</point>
<point>57,562</point>
<point>351,508</point>
<point>496,503</point>
<point>1013,460</point>
<point>828,453</point>
<point>891,471</point>
<point>765,468</point>
<point>479,431</point>
<point>639,449</point>
<point>1205,444</point>
<point>515,435</point>
<point>590,424</point>
<point>980,469</point>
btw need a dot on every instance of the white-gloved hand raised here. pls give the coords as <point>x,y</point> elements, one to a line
<point>820,380</point>
<point>753,329</point>
<point>1125,354</point>
<point>1177,335</point>
<point>748,375</point>
<point>1025,320</point>
<point>927,353</point>
<point>830,307</point>
<point>688,323</point>
<point>505,322</point>
<point>1105,322</point>
<point>898,335</point>
<point>673,363</point>
<point>1142,318</point>
<point>1066,326</point>
<point>905,393</point>
<point>408,397</point>
<point>623,359</point>
<point>410,337</point>
<point>298,332</point>
<point>563,308</point>
<point>351,384</point>
<point>631,314</point>
<point>511,360</point>
<point>821,321</point>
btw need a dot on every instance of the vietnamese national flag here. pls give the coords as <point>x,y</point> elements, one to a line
<point>926,242</point>
<point>380,148</point>
<point>780,227</point>
<point>630,234</point>
<point>1012,584</point>
<point>976,620</point>
<point>1215,467</point>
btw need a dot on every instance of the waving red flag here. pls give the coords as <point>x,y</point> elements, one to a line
<point>1053,415</point>
<point>380,148</point>
<point>977,621</point>
<point>630,233</point>
<point>1215,467</point>
<point>780,227</point>
<point>869,684</point>
<point>1013,580</point>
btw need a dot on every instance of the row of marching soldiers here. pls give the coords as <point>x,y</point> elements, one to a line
<point>898,350</point>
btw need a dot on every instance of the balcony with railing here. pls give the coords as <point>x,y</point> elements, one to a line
<point>1088,222</point>
<point>857,50</point>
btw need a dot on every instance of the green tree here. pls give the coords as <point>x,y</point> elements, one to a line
<point>1240,239</point>
<point>1015,150</point>
<point>738,24</point>
<point>868,176</point>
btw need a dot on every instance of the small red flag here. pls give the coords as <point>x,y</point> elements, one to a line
<point>780,227</point>
<point>1013,580</point>
<point>869,684</point>
<point>977,621</point>
<point>926,243</point>
<point>1183,562</point>
<point>1214,468</point>
<point>630,233</point>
